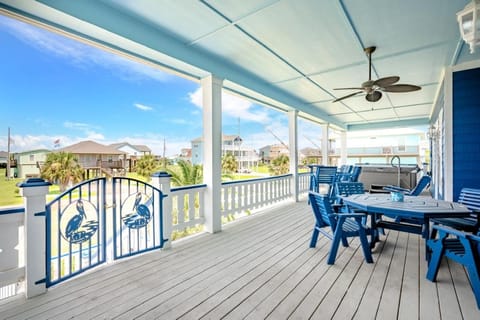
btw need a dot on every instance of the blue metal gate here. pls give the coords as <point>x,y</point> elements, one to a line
<point>137,217</point>
<point>96,221</point>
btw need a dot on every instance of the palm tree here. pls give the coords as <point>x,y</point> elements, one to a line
<point>185,174</point>
<point>229,163</point>
<point>279,165</point>
<point>146,166</point>
<point>62,168</point>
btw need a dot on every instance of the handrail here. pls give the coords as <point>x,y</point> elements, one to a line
<point>12,210</point>
<point>256,179</point>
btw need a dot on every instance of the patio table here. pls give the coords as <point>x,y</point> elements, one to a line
<point>420,208</point>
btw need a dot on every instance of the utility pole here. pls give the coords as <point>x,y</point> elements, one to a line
<point>8,155</point>
<point>164,158</point>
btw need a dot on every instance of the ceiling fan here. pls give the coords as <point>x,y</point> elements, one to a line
<point>373,88</point>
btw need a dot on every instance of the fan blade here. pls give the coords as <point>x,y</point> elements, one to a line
<point>401,88</point>
<point>347,96</point>
<point>374,96</point>
<point>347,88</point>
<point>385,82</point>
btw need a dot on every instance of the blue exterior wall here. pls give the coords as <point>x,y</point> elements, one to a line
<point>466,129</point>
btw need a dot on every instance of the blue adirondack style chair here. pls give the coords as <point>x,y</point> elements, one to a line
<point>341,225</point>
<point>356,171</point>
<point>325,175</point>
<point>458,246</point>
<point>421,185</point>
<point>346,189</point>
<point>470,198</point>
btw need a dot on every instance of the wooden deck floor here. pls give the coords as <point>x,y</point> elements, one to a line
<point>260,268</point>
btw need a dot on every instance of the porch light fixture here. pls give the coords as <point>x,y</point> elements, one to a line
<point>469,22</point>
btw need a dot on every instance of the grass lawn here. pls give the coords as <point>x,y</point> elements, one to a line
<point>10,193</point>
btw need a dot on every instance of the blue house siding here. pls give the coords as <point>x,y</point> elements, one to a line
<point>466,128</point>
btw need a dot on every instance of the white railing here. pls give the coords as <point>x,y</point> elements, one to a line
<point>12,270</point>
<point>242,197</point>
<point>187,207</point>
<point>303,182</point>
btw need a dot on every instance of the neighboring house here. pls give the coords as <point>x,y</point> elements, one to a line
<point>133,152</point>
<point>29,163</point>
<point>310,156</point>
<point>185,155</point>
<point>3,159</point>
<point>270,152</point>
<point>98,159</point>
<point>246,156</point>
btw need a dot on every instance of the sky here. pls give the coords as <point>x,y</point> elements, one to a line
<point>55,88</point>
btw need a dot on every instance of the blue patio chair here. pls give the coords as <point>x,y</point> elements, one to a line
<point>355,174</point>
<point>322,175</point>
<point>346,189</point>
<point>421,185</point>
<point>471,199</point>
<point>458,246</point>
<point>344,173</point>
<point>341,225</point>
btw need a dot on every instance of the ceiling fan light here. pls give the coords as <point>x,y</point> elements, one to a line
<point>469,23</point>
<point>374,96</point>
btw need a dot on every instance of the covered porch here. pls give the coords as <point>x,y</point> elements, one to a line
<point>257,268</point>
<point>266,51</point>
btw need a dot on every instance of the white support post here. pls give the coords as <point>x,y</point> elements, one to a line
<point>34,191</point>
<point>448,138</point>
<point>293,148</point>
<point>212,152</point>
<point>324,144</point>
<point>162,180</point>
<point>343,148</point>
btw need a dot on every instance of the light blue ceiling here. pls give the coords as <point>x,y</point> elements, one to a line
<point>286,53</point>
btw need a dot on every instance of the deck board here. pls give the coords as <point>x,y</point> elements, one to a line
<point>410,291</point>
<point>257,268</point>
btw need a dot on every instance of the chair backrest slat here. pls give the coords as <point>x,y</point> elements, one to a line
<point>422,184</point>
<point>322,209</point>
<point>470,198</point>
<point>348,188</point>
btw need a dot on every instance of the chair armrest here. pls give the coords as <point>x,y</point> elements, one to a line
<point>395,189</point>
<point>351,215</point>
<point>449,230</point>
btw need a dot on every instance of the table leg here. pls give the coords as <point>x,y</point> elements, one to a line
<point>426,236</point>
<point>374,237</point>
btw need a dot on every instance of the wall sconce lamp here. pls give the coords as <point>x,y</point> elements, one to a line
<point>432,133</point>
<point>469,22</point>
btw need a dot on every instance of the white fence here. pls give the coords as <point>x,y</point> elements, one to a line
<point>240,197</point>
<point>12,270</point>
<point>187,208</point>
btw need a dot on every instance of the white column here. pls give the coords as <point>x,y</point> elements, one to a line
<point>448,120</point>
<point>34,191</point>
<point>162,180</point>
<point>324,144</point>
<point>343,147</point>
<point>293,149</point>
<point>212,152</point>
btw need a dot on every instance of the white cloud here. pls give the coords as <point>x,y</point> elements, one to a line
<point>89,131</point>
<point>234,106</point>
<point>30,142</point>
<point>142,107</point>
<point>81,55</point>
